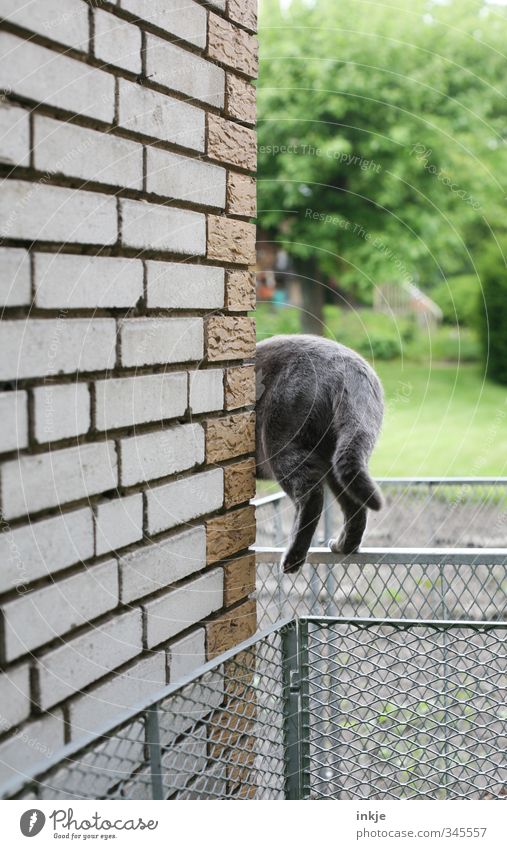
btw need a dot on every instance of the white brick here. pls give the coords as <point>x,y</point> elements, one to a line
<point>182,71</point>
<point>14,277</point>
<point>133,400</point>
<point>51,78</point>
<point>40,616</point>
<point>171,340</point>
<point>117,42</point>
<point>14,421</point>
<point>14,135</point>
<point>118,523</point>
<point>55,214</point>
<point>63,148</point>
<point>187,654</point>
<point>182,178</point>
<point>106,702</point>
<point>14,696</point>
<point>32,745</point>
<point>182,18</point>
<point>183,500</point>
<point>161,564</point>
<point>65,21</point>
<point>183,607</point>
<point>79,662</point>
<point>153,455</point>
<point>61,411</point>
<point>44,548</point>
<point>56,346</point>
<point>145,111</point>
<point>52,479</point>
<point>86,282</point>
<point>152,227</point>
<point>206,390</point>
<point>173,285</point>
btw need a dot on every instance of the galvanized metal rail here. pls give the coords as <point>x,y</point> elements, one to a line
<point>315,708</point>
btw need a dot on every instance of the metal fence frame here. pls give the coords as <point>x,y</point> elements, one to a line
<point>294,651</point>
<point>300,772</point>
<point>275,502</point>
<point>147,707</point>
<point>319,593</point>
<point>302,753</point>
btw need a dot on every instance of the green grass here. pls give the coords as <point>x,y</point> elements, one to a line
<point>442,417</point>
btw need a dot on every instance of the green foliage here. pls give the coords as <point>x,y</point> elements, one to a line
<point>275,319</point>
<point>381,136</point>
<point>444,344</point>
<point>494,312</point>
<point>377,336</point>
<point>380,348</point>
<point>458,298</point>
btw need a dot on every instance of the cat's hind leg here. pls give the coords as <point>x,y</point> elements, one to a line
<point>305,489</point>
<point>355,517</point>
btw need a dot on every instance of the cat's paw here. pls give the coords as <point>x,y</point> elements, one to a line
<point>343,546</point>
<point>292,563</point>
<point>335,545</point>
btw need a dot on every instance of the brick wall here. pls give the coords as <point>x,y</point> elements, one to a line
<point>127,152</point>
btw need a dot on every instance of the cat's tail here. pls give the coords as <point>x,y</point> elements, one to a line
<point>351,471</point>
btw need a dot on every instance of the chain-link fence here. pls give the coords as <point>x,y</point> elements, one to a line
<point>391,684</point>
<point>312,709</point>
<point>422,512</point>
<point>464,579</point>
<point>384,583</point>
<point>404,710</point>
<point>217,735</point>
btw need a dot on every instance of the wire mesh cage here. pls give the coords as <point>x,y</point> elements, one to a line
<point>402,710</point>
<point>218,735</point>
<point>312,709</point>
<point>389,683</point>
<point>386,583</point>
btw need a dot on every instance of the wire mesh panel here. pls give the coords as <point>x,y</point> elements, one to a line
<point>383,583</point>
<point>315,709</point>
<point>424,512</point>
<point>218,736</point>
<point>399,710</point>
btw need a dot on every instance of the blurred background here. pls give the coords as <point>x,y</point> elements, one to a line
<point>382,196</point>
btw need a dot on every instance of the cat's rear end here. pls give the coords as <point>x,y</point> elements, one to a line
<point>319,412</point>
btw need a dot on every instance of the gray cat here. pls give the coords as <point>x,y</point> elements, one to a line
<point>319,412</point>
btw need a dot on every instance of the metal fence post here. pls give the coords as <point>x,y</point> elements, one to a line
<point>304,689</point>
<point>296,722</point>
<point>154,752</point>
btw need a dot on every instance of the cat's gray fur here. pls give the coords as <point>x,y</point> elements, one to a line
<point>319,412</point>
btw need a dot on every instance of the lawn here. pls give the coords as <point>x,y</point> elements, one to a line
<point>442,417</point>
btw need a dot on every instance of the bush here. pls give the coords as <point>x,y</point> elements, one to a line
<point>274,319</point>
<point>493,324</point>
<point>380,348</point>
<point>458,298</point>
<point>444,344</point>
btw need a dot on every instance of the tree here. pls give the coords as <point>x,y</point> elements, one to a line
<point>493,311</point>
<point>382,136</point>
